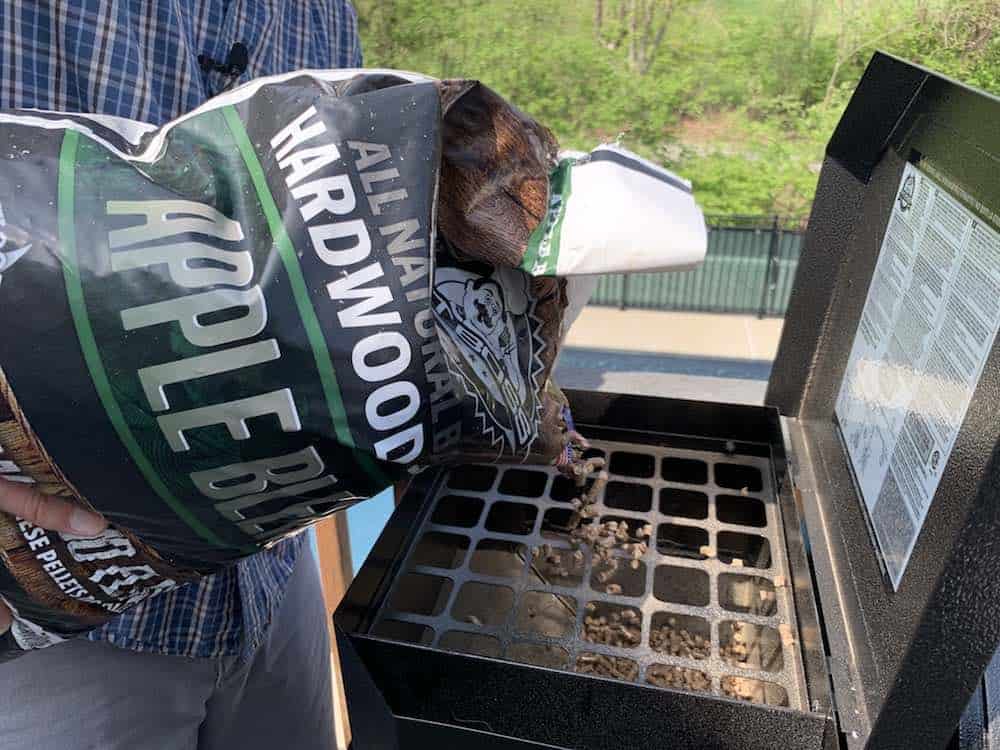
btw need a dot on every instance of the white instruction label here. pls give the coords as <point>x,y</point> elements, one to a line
<point>932,313</point>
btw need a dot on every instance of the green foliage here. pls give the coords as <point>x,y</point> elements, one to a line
<point>740,97</point>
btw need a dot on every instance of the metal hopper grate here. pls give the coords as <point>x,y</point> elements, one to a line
<point>713,606</point>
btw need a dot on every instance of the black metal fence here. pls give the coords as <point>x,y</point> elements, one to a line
<point>749,269</point>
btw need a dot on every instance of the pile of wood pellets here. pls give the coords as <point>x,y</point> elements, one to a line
<point>682,678</point>
<point>604,540</point>
<point>607,666</point>
<point>621,627</point>
<point>676,641</point>
<point>673,640</point>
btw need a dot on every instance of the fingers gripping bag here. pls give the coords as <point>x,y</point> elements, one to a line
<point>218,331</point>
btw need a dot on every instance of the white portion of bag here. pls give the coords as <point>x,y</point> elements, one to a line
<point>611,211</point>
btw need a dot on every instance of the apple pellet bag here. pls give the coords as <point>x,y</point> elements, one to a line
<point>218,331</point>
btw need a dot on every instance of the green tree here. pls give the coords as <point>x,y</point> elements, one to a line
<point>637,25</point>
<point>740,96</point>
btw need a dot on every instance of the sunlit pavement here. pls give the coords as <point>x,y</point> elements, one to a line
<point>681,333</point>
<point>680,355</point>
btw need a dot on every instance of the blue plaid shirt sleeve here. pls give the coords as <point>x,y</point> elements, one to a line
<point>140,60</point>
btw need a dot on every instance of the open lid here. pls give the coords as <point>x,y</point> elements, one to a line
<point>888,373</point>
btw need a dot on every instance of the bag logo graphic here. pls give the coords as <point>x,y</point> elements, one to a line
<point>491,338</point>
<point>12,245</point>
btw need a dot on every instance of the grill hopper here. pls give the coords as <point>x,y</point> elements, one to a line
<point>461,603</point>
<point>492,572</point>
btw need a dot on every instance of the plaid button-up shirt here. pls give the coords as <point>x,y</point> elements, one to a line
<point>139,59</point>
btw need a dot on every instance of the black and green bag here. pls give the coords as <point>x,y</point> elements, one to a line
<point>221,330</point>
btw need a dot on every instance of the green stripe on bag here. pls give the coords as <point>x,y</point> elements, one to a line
<point>541,257</point>
<point>314,333</point>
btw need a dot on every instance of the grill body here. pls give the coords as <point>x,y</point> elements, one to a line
<point>904,656</point>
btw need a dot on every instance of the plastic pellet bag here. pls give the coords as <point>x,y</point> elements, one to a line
<point>218,331</point>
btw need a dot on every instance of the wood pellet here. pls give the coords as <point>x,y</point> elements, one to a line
<point>753,691</point>
<point>737,650</point>
<point>611,543</point>
<point>742,688</point>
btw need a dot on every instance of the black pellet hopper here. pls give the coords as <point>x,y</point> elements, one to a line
<point>834,555</point>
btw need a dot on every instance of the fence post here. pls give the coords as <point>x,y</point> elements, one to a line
<point>772,251</point>
<point>624,296</point>
<point>774,270</point>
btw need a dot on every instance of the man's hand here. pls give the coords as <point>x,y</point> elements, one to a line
<point>49,512</point>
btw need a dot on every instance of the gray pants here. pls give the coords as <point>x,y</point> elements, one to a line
<point>81,695</point>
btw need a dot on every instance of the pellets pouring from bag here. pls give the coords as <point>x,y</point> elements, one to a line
<point>220,330</point>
